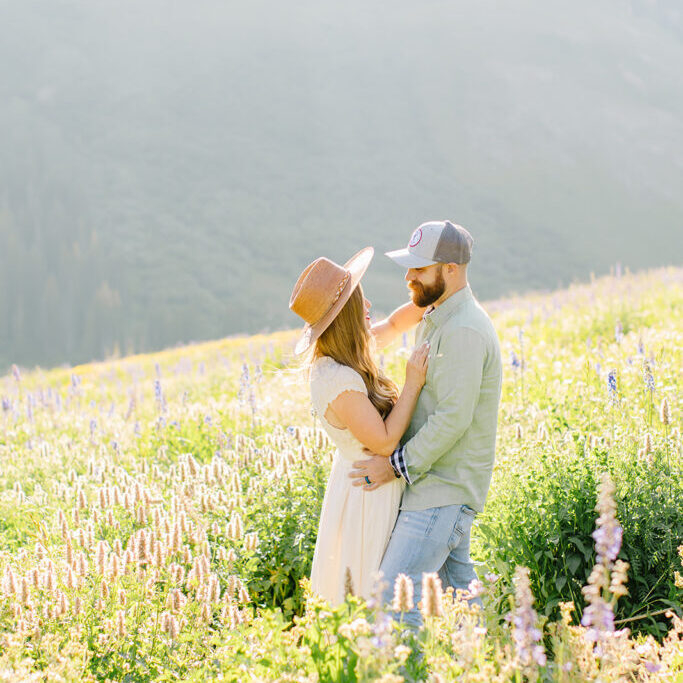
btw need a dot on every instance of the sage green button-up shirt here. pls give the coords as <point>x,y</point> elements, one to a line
<point>449,447</point>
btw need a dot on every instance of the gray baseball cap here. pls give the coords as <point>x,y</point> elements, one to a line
<point>435,242</point>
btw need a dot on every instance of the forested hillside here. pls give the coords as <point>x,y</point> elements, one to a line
<point>167,169</point>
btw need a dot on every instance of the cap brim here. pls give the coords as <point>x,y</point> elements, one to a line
<point>356,265</point>
<point>407,260</point>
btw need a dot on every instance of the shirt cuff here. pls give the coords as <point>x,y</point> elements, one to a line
<point>397,460</point>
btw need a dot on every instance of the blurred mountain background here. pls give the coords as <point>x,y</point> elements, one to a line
<point>168,168</point>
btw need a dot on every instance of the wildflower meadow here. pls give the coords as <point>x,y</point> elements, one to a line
<point>158,513</point>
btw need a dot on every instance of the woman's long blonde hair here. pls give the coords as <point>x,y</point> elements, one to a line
<point>348,341</point>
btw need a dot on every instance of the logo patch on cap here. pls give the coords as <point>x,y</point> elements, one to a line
<point>415,239</point>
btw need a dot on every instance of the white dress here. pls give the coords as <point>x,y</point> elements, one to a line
<point>355,525</point>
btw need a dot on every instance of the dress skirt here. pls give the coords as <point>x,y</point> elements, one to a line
<point>355,527</point>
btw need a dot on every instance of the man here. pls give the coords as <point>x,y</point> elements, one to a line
<point>446,456</point>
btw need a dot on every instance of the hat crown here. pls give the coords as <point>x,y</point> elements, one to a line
<point>318,289</point>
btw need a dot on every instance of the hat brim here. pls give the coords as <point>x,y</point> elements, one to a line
<point>407,260</point>
<point>356,265</point>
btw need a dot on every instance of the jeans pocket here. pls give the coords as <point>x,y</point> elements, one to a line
<point>465,520</point>
<point>469,511</point>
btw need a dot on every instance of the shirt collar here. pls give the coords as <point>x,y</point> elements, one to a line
<point>437,316</point>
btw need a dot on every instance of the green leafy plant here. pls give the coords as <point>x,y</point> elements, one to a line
<point>286,522</point>
<point>544,519</point>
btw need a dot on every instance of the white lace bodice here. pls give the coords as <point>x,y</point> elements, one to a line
<point>328,380</point>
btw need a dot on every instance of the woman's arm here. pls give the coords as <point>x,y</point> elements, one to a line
<point>401,320</point>
<point>356,412</point>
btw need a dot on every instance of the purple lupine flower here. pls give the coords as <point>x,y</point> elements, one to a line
<point>381,630</point>
<point>159,396</point>
<point>131,406</point>
<point>618,332</point>
<point>598,618</point>
<point>6,405</point>
<point>608,532</point>
<point>16,373</point>
<point>608,541</point>
<point>648,377</point>
<point>258,373</point>
<point>75,381</point>
<point>514,361</point>
<point>243,392</point>
<point>525,634</point>
<point>612,385</point>
<point>93,427</point>
<point>475,588</point>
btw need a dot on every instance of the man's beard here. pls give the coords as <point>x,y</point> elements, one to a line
<point>426,295</point>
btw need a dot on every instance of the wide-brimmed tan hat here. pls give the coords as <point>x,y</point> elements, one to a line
<point>321,292</point>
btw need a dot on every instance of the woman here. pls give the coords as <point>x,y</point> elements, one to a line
<point>358,407</point>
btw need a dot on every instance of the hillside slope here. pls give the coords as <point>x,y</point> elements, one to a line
<point>168,169</point>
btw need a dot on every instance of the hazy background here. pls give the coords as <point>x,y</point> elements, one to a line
<point>168,168</point>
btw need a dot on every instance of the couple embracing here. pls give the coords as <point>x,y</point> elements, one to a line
<point>412,467</point>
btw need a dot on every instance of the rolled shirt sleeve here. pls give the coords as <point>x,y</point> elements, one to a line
<point>457,378</point>
<point>398,463</point>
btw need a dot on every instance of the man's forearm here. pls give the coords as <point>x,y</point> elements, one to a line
<point>384,333</point>
<point>401,320</point>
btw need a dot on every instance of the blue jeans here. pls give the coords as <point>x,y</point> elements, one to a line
<point>431,540</point>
